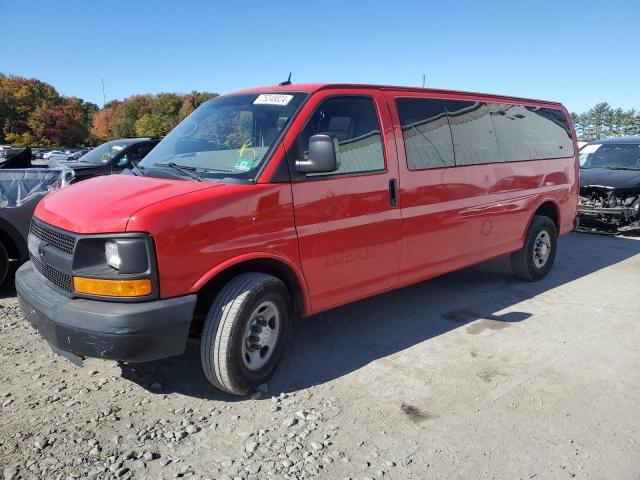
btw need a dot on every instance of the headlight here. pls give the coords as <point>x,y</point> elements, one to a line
<point>117,265</point>
<point>113,257</point>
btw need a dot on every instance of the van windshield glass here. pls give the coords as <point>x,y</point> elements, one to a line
<point>104,153</point>
<point>229,136</point>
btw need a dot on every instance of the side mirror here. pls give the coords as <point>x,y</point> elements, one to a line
<point>324,155</point>
<point>124,161</point>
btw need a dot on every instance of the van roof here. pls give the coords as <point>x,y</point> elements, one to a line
<point>314,87</point>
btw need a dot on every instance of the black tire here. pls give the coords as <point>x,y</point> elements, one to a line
<point>523,263</point>
<point>224,332</point>
<point>4,263</point>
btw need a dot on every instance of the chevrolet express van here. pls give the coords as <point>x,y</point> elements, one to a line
<point>281,202</point>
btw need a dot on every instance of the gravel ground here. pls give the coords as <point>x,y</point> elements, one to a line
<point>471,375</point>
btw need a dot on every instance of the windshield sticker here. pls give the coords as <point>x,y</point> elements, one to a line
<point>243,165</point>
<point>272,99</point>
<point>590,148</point>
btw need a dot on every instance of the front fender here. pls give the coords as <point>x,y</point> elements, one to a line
<point>236,261</point>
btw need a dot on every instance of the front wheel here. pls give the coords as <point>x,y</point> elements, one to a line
<point>534,260</point>
<point>245,332</point>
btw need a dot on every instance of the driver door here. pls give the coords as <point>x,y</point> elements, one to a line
<point>348,221</point>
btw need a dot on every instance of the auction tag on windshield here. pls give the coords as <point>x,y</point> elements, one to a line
<point>590,148</point>
<point>272,99</point>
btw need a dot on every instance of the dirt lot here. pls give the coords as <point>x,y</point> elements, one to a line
<point>472,375</point>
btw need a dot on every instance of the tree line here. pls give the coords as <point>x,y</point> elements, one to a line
<point>34,114</point>
<point>605,121</point>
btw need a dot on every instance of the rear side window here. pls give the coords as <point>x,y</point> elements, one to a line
<point>353,120</point>
<point>531,133</point>
<point>426,133</point>
<point>474,140</point>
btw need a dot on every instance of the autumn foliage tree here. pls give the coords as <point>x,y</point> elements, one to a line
<point>145,115</point>
<point>33,113</point>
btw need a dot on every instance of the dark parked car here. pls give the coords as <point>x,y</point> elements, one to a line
<point>111,157</point>
<point>610,185</point>
<point>16,158</point>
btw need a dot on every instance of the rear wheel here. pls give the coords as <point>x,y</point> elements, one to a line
<point>534,260</point>
<point>245,332</point>
<point>4,263</point>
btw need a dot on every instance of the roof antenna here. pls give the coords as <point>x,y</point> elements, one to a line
<point>286,82</point>
<point>106,120</point>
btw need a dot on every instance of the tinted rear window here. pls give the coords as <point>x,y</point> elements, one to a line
<point>530,133</point>
<point>426,133</point>
<point>474,140</point>
<point>481,132</point>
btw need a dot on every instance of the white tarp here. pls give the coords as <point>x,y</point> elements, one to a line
<point>18,186</point>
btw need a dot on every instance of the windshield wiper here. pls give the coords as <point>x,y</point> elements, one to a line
<point>189,171</point>
<point>621,168</point>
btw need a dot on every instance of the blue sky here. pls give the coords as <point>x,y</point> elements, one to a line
<point>579,53</point>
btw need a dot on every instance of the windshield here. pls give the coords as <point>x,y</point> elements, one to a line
<point>226,137</point>
<point>103,154</point>
<point>611,155</point>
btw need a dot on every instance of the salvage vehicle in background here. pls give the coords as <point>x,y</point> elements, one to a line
<point>286,201</point>
<point>48,154</point>
<point>20,192</point>
<point>110,157</point>
<point>610,185</point>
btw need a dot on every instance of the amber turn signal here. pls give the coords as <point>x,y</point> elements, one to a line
<point>112,288</point>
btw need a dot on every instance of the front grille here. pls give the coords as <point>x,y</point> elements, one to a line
<point>56,239</point>
<point>59,279</point>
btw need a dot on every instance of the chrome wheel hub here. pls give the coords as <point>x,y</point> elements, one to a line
<point>261,336</point>
<point>541,249</point>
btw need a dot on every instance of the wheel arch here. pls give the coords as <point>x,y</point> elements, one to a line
<point>547,207</point>
<point>272,264</point>
<point>13,241</point>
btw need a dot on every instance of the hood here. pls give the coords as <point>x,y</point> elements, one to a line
<point>601,177</point>
<point>105,204</point>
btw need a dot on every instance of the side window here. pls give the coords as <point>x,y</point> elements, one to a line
<point>426,133</point>
<point>516,133</point>
<point>354,122</point>
<point>531,133</point>
<point>138,152</point>
<point>556,130</point>
<point>474,140</point>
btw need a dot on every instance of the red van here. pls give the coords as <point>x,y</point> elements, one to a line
<point>274,203</point>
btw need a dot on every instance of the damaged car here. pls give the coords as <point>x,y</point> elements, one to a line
<point>610,185</point>
<point>20,192</point>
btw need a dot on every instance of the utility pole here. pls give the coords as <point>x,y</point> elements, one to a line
<point>424,80</point>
